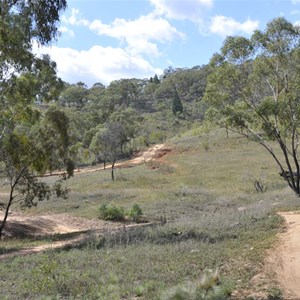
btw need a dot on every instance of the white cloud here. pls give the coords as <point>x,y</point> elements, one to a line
<point>66,31</point>
<point>98,64</point>
<point>75,19</point>
<point>140,46</point>
<point>147,27</point>
<point>228,26</point>
<point>182,10</point>
<point>98,26</point>
<point>295,1</point>
<point>139,34</point>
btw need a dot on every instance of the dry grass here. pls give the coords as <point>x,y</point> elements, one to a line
<point>215,220</point>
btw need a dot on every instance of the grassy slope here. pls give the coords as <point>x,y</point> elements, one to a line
<point>216,220</point>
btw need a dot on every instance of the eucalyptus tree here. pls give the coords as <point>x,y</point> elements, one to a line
<point>131,122</point>
<point>125,91</point>
<point>74,95</point>
<point>98,145</point>
<point>255,91</point>
<point>112,138</point>
<point>33,136</point>
<point>147,93</point>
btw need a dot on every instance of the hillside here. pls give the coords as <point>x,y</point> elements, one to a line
<point>216,221</point>
<point>141,111</point>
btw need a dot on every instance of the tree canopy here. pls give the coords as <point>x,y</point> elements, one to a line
<point>255,91</point>
<point>33,138</point>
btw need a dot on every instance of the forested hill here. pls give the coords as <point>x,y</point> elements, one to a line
<point>138,111</point>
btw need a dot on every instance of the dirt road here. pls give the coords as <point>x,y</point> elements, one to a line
<point>285,258</point>
<point>141,157</point>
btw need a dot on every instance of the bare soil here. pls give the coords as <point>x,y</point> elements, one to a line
<point>72,229</point>
<point>153,153</point>
<point>280,271</point>
<point>20,225</point>
<point>285,258</point>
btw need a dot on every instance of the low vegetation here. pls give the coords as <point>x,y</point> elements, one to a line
<point>112,212</point>
<point>208,216</point>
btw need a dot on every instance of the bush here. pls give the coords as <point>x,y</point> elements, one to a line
<point>110,212</point>
<point>135,213</point>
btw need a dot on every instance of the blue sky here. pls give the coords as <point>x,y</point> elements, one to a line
<point>106,40</point>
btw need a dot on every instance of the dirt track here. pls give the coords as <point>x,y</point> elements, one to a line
<point>152,153</point>
<point>72,230</point>
<point>285,258</point>
<point>22,225</point>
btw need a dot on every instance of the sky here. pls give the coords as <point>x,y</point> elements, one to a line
<point>106,40</point>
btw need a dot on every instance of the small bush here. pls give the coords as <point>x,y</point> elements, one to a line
<point>111,212</point>
<point>135,213</point>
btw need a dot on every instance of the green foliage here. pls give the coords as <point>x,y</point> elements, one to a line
<point>135,213</point>
<point>143,107</point>
<point>74,96</point>
<point>252,84</point>
<point>176,104</point>
<point>155,79</point>
<point>111,212</point>
<point>22,21</point>
<point>33,138</point>
<point>156,137</point>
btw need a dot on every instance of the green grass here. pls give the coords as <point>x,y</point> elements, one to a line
<point>215,220</point>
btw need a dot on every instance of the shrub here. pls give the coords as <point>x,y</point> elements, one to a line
<point>111,212</point>
<point>156,137</point>
<point>135,213</point>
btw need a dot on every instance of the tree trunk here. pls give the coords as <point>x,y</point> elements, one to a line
<point>112,170</point>
<point>3,223</point>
